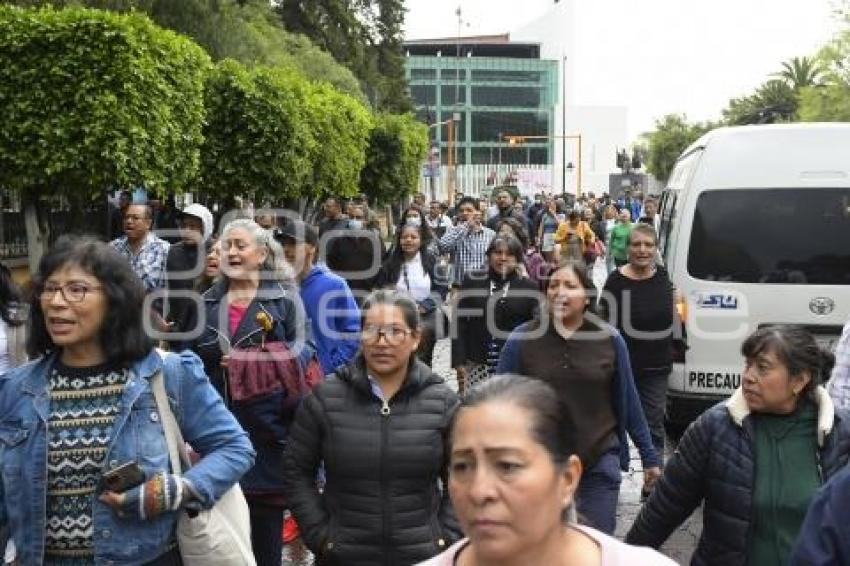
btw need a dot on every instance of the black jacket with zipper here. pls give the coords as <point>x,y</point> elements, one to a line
<point>714,463</point>
<point>480,309</point>
<point>384,501</point>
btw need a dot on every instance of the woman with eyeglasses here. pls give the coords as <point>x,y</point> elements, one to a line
<point>85,407</point>
<point>379,425</point>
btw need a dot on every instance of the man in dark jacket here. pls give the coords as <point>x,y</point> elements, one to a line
<point>184,264</point>
<point>355,254</point>
<point>334,219</point>
<point>505,203</point>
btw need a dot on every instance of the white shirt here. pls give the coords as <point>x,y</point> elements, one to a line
<point>414,280</point>
<point>441,221</point>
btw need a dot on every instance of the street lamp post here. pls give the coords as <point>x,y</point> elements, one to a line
<point>450,142</point>
<point>564,123</point>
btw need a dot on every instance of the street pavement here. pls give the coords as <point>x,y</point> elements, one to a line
<point>679,546</point>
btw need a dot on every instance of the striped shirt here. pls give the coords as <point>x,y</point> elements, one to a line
<point>468,249</point>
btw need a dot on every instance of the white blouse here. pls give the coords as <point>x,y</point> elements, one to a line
<point>414,280</point>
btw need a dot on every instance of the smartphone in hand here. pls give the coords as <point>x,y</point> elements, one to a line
<point>124,477</point>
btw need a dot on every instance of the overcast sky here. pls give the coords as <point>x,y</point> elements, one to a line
<point>656,56</point>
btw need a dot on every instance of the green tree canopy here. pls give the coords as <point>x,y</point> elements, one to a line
<point>245,30</point>
<point>342,126</point>
<point>774,101</point>
<point>258,137</point>
<point>671,136</point>
<point>829,101</point>
<point>800,72</point>
<point>365,35</point>
<point>91,99</point>
<point>397,147</point>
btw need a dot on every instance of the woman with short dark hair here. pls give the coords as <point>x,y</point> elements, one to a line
<point>536,267</point>
<point>638,301</point>
<point>754,461</point>
<point>379,425</point>
<point>90,387</point>
<point>496,299</point>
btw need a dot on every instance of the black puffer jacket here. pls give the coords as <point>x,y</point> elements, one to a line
<point>382,502</point>
<point>715,462</point>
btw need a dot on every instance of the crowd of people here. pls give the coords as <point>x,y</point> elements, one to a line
<point>298,357</point>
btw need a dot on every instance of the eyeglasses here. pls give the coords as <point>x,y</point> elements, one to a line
<point>393,335</point>
<point>71,292</point>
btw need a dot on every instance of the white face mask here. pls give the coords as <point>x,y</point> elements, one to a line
<point>413,221</point>
<point>355,224</point>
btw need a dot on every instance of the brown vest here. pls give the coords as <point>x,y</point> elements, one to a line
<point>582,371</point>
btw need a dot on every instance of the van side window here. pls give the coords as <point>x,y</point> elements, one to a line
<point>787,236</point>
<point>665,230</point>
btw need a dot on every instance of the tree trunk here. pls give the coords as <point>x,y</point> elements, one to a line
<point>38,234</point>
<point>390,224</point>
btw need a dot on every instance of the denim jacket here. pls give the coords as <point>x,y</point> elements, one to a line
<point>137,435</point>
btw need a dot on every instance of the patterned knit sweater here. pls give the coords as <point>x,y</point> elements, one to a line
<point>84,403</point>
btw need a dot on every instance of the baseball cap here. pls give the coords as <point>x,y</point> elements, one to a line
<point>298,231</point>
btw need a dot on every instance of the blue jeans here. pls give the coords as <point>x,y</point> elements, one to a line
<point>598,492</point>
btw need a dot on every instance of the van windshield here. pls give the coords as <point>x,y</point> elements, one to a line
<point>789,236</point>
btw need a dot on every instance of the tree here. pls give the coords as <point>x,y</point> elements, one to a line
<point>365,35</point>
<point>397,147</point>
<point>342,126</point>
<point>829,101</point>
<point>800,72</point>
<point>247,31</point>
<point>258,138</point>
<point>671,136</point>
<point>91,100</point>
<point>774,101</point>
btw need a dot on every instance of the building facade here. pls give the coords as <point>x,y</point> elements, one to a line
<point>500,90</point>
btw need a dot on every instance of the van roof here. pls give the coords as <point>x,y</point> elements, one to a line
<point>775,155</point>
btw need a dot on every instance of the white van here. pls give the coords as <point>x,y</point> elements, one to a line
<point>755,230</point>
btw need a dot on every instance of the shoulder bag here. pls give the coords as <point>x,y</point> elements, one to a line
<point>220,536</point>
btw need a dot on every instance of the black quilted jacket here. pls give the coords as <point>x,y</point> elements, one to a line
<point>383,502</point>
<point>715,463</point>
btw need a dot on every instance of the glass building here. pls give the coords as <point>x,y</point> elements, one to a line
<point>499,88</point>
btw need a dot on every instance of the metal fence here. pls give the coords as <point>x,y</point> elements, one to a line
<point>473,180</point>
<point>13,234</point>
